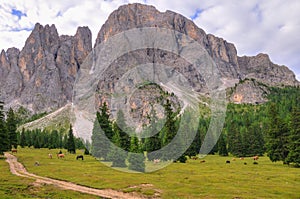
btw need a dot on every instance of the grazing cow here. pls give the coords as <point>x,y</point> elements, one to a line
<point>36,163</point>
<point>156,161</point>
<point>255,157</point>
<point>79,157</point>
<point>202,161</point>
<point>233,159</point>
<point>14,150</point>
<point>195,158</point>
<point>61,155</point>
<point>50,155</point>
<point>227,162</point>
<point>241,158</point>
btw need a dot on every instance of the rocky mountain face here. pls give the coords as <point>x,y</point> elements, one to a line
<point>41,75</point>
<point>233,68</point>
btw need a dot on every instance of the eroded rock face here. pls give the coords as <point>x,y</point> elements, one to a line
<point>262,69</point>
<point>231,67</point>
<point>41,75</point>
<point>249,91</point>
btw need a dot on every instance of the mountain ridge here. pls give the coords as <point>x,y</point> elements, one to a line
<point>41,75</point>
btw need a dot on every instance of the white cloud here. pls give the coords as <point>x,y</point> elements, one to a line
<point>253,26</point>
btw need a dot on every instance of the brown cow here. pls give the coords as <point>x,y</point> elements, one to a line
<point>255,157</point>
<point>61,155</point>
<point>14,150</point>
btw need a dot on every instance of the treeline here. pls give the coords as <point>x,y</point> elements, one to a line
<point>271,128</point>
<point>49,139</point>
<point>249,130</point>
<point>8,128</point>
<point>10,138</point>
<point>112,140</point>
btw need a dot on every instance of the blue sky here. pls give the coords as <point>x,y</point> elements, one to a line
<point>254,26</point>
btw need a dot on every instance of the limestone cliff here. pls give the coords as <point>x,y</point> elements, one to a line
<point>41,75</point>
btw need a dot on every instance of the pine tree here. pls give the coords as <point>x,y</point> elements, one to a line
<point>54,140</point>
<point>235,145</point>
<point>222,148</point>
<point>277,142</point>
<point>152,141</point>
<point>71,142</point>
<point>23,138</point>
<point>169,132</point>
<point>11,128</point>
<point>65,141</point>
<point>105,123</point>
<point>28,137</point>
<point>116,154</point>
<point>294,139</point>
<point>100,143</point>
<point>136,156</point>
<point>36,139</point>
<point>4,139</point>
<point>122,128</point>
<point>102,135</point>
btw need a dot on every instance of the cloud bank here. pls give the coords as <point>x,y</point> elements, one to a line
<point>254,26</point>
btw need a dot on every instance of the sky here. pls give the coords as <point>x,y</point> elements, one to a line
<point>254,26</point>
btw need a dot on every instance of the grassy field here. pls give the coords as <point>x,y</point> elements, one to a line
<point>212,179</point>
<point>14,187</point>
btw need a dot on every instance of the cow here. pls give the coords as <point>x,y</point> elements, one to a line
<point>79,157</point>
<point>255,157</point>
<point>61,155</point>
<point>202,161</point>
<point>14,150</point>
<point>50,155</point>
<point>227,161</point>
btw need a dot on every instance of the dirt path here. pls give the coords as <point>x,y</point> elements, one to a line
<point>18,169</point>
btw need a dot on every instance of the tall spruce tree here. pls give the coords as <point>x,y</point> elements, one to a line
<point>169,131</point>
<point>102,135</point>
<point>4,139</point>
<point>71,142</point>
<point>123,130</point>
<point>100,145</point>
<point>222,147</point>
<point>152,141</point>
<point>105,123</point>
<point>278,133</point>
<point>235,145</point>
<point>294,139</point>
<point>136,158</point>
<point>116,154</point>
<point>11,125</point>
<point>23,138</point>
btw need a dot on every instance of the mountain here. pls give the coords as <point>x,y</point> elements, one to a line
<point>40,77</point>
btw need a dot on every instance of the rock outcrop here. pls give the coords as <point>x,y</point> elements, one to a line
<point>41,75</point>
<point>232,67</point>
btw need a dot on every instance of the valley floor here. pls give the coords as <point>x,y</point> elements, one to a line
<point>210,179</point>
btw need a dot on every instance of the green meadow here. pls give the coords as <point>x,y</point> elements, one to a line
<point>14,187</point>
<point>211,179</point>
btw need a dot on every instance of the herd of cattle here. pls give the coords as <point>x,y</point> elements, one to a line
<point>60,155</point>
